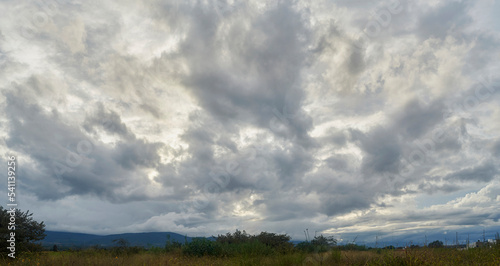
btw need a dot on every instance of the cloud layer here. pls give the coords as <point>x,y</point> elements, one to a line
<point>201,117</point>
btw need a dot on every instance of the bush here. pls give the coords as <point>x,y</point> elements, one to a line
<point>120,251</point>
<point>123,248</point>
<point>237,237</point>
<point>273,240</point>
<point>201,247</point>
<point>318,244</point>
<point>156,250</point>
<point>307,247</point>
<point>248,249</point>
<point>172,245</point>
<point>245,243</point>
<point>353,246</point>
<point>436,244</point>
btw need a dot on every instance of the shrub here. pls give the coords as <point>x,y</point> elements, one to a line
<point>307,247</point>
<point>248,249</point>
<point>201,247</point>
<point>235,238</point>
<point>172,245</point>
<point>272,239</point>
<point>436,244</point>
<point>318,244</point>
<point>266,242</point>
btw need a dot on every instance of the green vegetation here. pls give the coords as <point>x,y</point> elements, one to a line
<point>240,248</point>
<point>436,244</point>
<point>25,229</point>
<point>318,244</point>
<point>335,256</point>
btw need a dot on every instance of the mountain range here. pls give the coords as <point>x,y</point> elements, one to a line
<point>65,240</point>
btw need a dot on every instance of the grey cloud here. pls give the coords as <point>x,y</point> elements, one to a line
<point>337,137</point>
<point>344,203</point>
<point>416,119</point>
<point>433,188</point>
<point>382,150</point>
<point>108,120</point>
<point>496,149</point>
<point>276,208</point>
<point>170,93</point>
<point>273,63</point>
<point>137,153</point>
<point>70,162</point>
<point>480,173</point>
<point>355,63</point>
<point>449,18</point>
<point>337,163</point>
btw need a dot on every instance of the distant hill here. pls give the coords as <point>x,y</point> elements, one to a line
<point>65,240</point>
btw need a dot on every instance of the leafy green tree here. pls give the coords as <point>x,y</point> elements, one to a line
<point>324,241</point>
<point>272,239</point>
<point>235,238</point>
<point>25,229</point>
<point>279,242</point>
<point>201,247</point>
<point>305,247</point>
<point>436,244</point>
<point>318,244</point>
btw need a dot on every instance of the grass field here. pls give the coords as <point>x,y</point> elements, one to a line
<point>418,256</point>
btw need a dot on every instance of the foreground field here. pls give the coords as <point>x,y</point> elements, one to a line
<point>421,256</point>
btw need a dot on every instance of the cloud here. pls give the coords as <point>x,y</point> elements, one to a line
<point>480,173</point>
<point>263,116</point>
<point>496,149</point>
<point>450,18</point>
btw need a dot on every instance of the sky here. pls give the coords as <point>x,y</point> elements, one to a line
<point>346,118</point>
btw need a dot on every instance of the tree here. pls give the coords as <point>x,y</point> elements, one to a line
<point>436,244</point>
<point>121,242</point>
<point>21,225</point>
<point>272,239</point>
<point>235,238</point>
<point>324,241</point>
<point>172,245</point>
<point>318,244</point>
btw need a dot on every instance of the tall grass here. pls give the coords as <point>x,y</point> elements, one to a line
<point>254,253</point>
